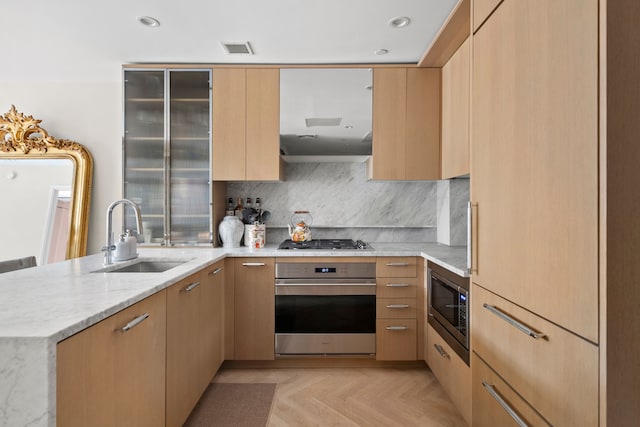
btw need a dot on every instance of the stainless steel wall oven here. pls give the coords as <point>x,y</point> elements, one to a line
<point>448,314</point>
<point>325,308</point>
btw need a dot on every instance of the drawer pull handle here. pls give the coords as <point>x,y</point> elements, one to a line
<point>513,322</point>
<point>508,409</point>
<point>397,264</point>
<point>135,322</point>
<point>191,287</point>
<point>397,285</point>
<point>398,306</point>
<point>397,328</point>
<point>216,271</point>
<point>253,264</point>
<point>440,350</point>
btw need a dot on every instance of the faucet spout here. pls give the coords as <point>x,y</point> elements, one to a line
<point>108,258</point>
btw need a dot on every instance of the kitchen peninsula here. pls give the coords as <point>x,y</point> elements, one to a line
<point>42,306</point>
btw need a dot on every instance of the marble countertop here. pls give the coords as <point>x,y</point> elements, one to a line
<point>57,300</point>
<point>41,306</point>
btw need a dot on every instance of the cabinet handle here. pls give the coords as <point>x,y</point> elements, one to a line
<point>191,287</point>
<point>135,322</point>
<point>397,264</point>
<point>513,322</point>
<point>472,231</point>
<point>508,409</point>
<point>441,351</point>
<point>216,271</point>
<point>398,306</point>
<point>253,264</point>
<point>397,328</point>
<point>397,285</point>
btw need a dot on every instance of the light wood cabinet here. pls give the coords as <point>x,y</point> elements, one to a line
<point>397,308</point>
<point>535,159</point>
<point>453,374</point>
<point>195,347</point>
<point>254,305</point>
<point>455,113</point>
<point>490,393</point>
<point>113,373</point>
<point>212,311</point>
<point>184,338</point>
<point>406,124</point>
<point>556,373</point>
<point>246,124</point>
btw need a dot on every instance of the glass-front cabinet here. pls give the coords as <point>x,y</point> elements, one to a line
<point>166,146</point>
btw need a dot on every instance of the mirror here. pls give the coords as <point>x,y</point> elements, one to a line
<point>46,184</point>
<point>325,112</point>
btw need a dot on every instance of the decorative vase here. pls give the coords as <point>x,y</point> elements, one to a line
<point>230,231</point>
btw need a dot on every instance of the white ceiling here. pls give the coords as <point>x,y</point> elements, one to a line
<point>90,40</point>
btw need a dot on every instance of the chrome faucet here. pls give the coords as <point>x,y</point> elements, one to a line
<point>110,245</point>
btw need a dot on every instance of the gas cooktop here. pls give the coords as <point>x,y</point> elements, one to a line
<point>325,244</point>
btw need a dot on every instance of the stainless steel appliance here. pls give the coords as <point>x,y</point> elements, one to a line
<point>325,308</point>
<point>448,314</point>
<point>325,244</point>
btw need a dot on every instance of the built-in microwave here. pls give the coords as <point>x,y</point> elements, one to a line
<point>448,314</point>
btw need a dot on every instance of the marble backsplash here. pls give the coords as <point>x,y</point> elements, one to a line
<point>344,204</point>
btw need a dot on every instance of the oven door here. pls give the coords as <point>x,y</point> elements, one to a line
<point>448,305</point>
<point>325,318</point>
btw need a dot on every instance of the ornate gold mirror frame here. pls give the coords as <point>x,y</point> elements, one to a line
<point>21,137</point>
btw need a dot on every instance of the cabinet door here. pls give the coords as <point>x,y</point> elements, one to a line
<point>229,124</point>
<point>263,125</point>
<point>422,155</point>
<point>557,373</point>
<point>183,348</point>
<point>396,339</point>
<point>254,320</point>
<point>113,374</point>
<point>535,158</point>
<point>389,123</point>
<point>451,371</point>
<point>455,113</point>
<point>212,320</point>
<point>497,404</point>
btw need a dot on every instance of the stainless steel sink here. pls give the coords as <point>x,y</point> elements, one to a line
<point>143,266</point>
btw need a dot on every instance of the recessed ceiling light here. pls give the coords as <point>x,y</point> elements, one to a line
<point>381,51</point>
<point>348,127</point>
<point>148,21</point>
<point>399,22</point>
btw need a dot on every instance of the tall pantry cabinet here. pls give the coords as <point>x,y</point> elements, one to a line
<point>166,146</point>
<point>555,97</point>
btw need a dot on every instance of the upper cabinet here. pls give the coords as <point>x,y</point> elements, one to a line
<point>455,114</point>
<point>246,117</point>
<point>406,124</point>
<point>167,121</point>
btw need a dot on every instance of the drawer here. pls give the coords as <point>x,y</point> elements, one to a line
<point>396,267</point>
<point>452,373</point>
<point>401,287</point>
<point>557,373</point>
<point>396,308</point>
<point>493,398</point>
<point>396,339</point>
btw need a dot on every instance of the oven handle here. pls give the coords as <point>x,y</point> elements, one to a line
<point>325,289</point>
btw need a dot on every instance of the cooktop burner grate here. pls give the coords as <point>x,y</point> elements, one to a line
<point>324,244</point>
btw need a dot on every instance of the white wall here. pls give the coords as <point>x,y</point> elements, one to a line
<point>86,112</point>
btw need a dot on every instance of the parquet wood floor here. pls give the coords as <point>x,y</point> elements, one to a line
<point>371,396</point>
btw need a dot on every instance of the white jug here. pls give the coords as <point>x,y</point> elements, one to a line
<point>230,232</point>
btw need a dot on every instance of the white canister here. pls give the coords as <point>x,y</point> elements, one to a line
<point>230,231</point>
<point>254,235</point>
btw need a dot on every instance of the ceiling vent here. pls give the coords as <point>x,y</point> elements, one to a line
<point>316,121</point>
<point>242,48</point>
